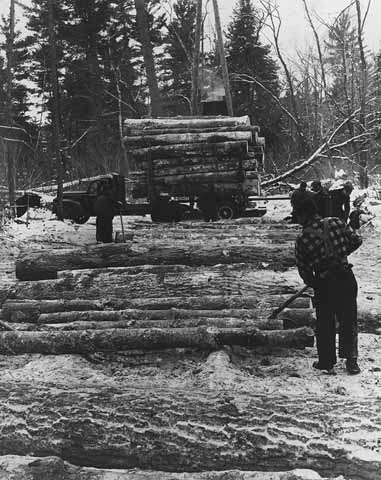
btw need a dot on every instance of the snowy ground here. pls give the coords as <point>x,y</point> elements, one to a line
<point>261,371</point>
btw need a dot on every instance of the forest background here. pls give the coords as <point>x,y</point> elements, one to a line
<point>320,105</point>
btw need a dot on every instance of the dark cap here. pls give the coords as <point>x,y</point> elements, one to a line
<point>348,186</point>
<point>316,185</point>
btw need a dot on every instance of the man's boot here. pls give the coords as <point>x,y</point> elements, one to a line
<point>352,366</point>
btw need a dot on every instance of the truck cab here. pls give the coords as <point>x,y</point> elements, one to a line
<point>78,205</point>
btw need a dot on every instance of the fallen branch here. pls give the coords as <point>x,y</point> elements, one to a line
<point>314,156</point>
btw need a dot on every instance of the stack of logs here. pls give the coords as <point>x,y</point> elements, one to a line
<point>146,296</point>
<point>192,150</point>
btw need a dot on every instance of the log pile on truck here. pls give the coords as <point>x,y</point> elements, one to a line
<point>194,158</point>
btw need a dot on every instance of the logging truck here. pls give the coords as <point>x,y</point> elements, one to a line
<point>177,163</point>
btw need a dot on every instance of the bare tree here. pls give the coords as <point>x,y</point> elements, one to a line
<point>274,23</point>
<point>143,27</point>
<point>363,160</point>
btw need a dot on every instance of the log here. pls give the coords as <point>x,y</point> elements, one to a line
<point>186,122</point>
<point>192,430</point>
<point>155,315</point>
<point>42,265</point>
<point>185,322</point>
<point>207,177</point>
<point>213,166</point>
<point>26,467</point>
<point>294,318</point>
<point>88,341</point>
<point>368,322</point>
<point>30,310</point>
<point>145,141</point>
<point>45,263</point>
<point>299,315</point>
<point>199,150</point>
<point>188,162</point>
<point>162,131</point>
<point>149,281</point>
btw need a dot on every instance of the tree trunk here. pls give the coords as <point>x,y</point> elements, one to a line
<point>154,281</point>
<point>162,131</point>
<point>182,166</point>
<point>44,265</point>
<point>30,310</point>
<point>181,138</point>
<point>179,322</point>
<point>194,431</point>
<point>297,315</point>
<point>190,150</point>
<point>87,341</point>
<point>209,177</point>
<point>186,122</point>
<point>147,51</point>
<point>49,468</point>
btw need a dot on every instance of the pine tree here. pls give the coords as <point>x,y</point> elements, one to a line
<point>247,56</point>
<point>343,60</point>
<point>177,63</point>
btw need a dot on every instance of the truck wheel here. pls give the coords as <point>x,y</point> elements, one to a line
<point>226,210</point>
<point>74,211</point>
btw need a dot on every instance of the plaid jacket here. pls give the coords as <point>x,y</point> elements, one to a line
<point>323,245</point>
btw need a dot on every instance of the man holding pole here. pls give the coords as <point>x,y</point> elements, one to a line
<point>321,257</point>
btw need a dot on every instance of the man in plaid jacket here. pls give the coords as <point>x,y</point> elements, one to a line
<point>321,257</point>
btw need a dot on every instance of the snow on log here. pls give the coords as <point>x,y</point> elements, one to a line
<point>30,310</point>
<point>186,122</point>
<point>192,430</point>
<point>88,341</point>
<point>44,264</point>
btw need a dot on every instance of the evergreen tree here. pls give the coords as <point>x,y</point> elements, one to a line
<point>177,62</point>
<point>343,60</point>
<point>246,55</point>
<point>99,65</point>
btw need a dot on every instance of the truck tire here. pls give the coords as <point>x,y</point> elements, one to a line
<point>226,210</point>
<point>74,211</point>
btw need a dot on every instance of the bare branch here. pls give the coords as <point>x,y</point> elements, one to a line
<point>315,156</point>
<point>249,79</point>
<point>317,40</point>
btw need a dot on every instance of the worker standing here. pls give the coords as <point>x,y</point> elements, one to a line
<point>301,190</point>
<point>321,257</point>
<point>104,209</point>
<point>340,201</point>
<point>321,197</point>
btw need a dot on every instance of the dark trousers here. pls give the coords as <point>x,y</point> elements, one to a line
<point>336,300</point>
<point>104,229</point>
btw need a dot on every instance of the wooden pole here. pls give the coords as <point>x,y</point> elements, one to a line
<point>9,108</point>
<point>224,66</point>
<point>55,109</point>
<point>196,60</point>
